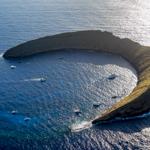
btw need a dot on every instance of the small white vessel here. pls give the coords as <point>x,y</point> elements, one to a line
<point>114,97</point>
<point>42,79</point>
<point>12,67</point>
<point>112,77</point>
<point>96,105</point>
<point>13,112</point>
<point>77,111</point>
<point>27,119</point>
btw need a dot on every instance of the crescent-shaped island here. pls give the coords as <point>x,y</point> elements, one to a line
<point>138,102</point>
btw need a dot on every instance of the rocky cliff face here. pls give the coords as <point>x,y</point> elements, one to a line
<point>139,56</point>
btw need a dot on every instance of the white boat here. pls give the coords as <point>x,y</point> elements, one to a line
<point>96,105</point>
<point>12,67</point>
<point>77,111</point>
<point>27,119</point>
<point>13,112</point>
<point>43,79</point>
<point>112,77</point>
<point>114,97</point>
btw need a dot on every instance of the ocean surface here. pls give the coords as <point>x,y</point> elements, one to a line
<point>44,97</point>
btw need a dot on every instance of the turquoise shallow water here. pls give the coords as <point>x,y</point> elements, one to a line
<point>74,80</point>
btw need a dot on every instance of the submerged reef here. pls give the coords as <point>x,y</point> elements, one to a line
<point>138,101</point>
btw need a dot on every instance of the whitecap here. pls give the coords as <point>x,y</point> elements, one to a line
<point>131,118</point>
<point>80,126</point>
<point>1,55</point>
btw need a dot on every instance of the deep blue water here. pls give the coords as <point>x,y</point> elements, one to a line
<point>74,80</point>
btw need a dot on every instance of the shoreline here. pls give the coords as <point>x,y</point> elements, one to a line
<point>139,56</point>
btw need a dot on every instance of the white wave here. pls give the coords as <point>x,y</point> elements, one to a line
<point>140,116</point>
<point>146,131</point>
<point>127,118</point>
<point>81,126</point>
<point>131,118</point>
<point>1,55</point>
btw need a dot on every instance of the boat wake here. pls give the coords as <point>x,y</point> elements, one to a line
<point>33,79</point>
<point>81,126</point>
<point>25,80</point>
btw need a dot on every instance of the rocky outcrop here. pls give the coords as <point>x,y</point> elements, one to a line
<point>139,56</point>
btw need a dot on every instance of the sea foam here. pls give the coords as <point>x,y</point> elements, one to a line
<point>80,126</point>
<point>1,55</point>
